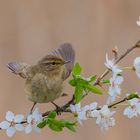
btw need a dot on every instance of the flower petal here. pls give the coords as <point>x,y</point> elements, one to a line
<point>98,120</point>
<point>36,129</point>
<point>82,115</point>
<point>95,113</point>
<point>79,121</point>
<point>119,80</point>
<point>29,118</point>
<point>72,108</point>
<point>19,127</point>
<point>28,128</point>
<point>10,116</point>
<point>18,118</point>
<point>4,125</point>
<point>37,115</point>
<point>10,131</point>
<point>138,73</point>
<point>93,105</point>
<point>78,107</point>
<point>86,108</point>
<point>36,111</point>
<point>138,23</point>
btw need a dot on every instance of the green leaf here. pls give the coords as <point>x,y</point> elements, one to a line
<point>71,127</point>
<point>42,124</point>
<point>55,125</point>
<point>106,81</point>
<point>93,89</point>
<point>76,69</point>
<point>81,82</point>
<point>52,115</point>
<point>119,74</point>
<point>73,82</point>
<point>133,95</point>
<point>68,124</point>
<point>93,78</point>
<point>78,94</point>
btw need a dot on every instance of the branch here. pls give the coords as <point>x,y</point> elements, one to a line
<point>119,102</point>
<point>61,109</point>
<point>137,45</point>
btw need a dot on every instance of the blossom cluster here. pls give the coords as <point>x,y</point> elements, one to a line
<point>115,81</point>
<point>15,123</point>
<point>133,109</point>
<point>102,115</point>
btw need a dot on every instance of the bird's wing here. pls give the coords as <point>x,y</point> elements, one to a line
<point>68,54</point>
<point>18,68</point>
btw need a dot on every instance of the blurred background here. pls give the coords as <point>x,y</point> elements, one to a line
<point>29,29</point>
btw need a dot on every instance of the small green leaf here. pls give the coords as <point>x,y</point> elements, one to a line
<point>76,69</point>
<point>106,81</point>
<point>52,115</point>
<point>42,124</point>
<point>93,89</point>
<point>133,95</point>
<point>68,124</point>
<point>72,82</point>
<point>93,78</point>
<point>71,127</point>
<point>78,94</point>
<point>55,125</point>
<point>119,74</point>
<point>82,82</point>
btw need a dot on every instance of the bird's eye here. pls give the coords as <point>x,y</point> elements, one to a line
<point>53,63</point>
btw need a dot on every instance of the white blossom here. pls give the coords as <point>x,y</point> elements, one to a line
<point>133,109</point>
<point>104,117</point>
<point>137,66</point>
<point>12,123</point>
<point>83,113</point>
<point>138,22</point>
<point>75,108</point>
<point>89,108</point>
<point>32,120</point>
<point>114,88</point>
<point>110,64</point>
<point>78,112</point>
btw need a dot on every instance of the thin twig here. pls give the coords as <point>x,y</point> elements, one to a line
<point>137,45</point>
<point>119,102</point>
<point>115,51</point>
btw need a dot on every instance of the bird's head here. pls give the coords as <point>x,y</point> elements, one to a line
<point>52,63</point>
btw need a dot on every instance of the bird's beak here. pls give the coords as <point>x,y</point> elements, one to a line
<point>67,62</point>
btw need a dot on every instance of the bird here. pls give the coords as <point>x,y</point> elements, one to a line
<point>44,80</point>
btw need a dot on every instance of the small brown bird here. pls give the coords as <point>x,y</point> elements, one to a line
<point>44,81</point>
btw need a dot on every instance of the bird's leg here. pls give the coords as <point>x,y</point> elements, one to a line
<point>58,108</point>
<point>32,107</point>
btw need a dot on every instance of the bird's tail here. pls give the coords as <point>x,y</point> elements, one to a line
<point>18,68</point>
